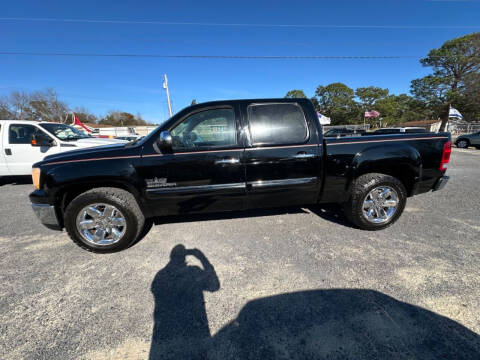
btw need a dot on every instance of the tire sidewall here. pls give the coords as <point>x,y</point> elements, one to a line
<point>90,198</point>
<point>385,180</point>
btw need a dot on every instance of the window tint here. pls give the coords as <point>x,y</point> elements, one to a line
<point>277,124</point>
<point>206,129</point>
<point>21,133</point>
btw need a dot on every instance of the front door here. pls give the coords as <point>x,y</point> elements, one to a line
<point>20,155</point>
<point>283,159</point>
<point>205,172</point>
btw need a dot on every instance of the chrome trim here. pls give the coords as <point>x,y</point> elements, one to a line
<point>304,156</point>
<point>227,161</point>
<point>282,182</point>
<point>46,214</point>
<point>380,204</point>
<point>440,184</point>
<point>196,188</point>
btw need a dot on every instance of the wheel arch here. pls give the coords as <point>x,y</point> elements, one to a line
<point>400,161</point>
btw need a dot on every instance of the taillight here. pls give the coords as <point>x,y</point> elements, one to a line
<point>447,150</point>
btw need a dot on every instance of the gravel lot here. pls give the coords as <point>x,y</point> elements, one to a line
<point>288,284</point>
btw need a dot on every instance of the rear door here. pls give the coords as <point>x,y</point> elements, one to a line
<point>3,163</point>
<point>20,155</point>
<point>283,157</point>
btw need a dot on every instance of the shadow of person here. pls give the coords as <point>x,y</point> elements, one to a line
<point>180,320</point>
<point>341,324</point>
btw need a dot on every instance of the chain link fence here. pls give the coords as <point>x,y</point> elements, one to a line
<point>459,129</point>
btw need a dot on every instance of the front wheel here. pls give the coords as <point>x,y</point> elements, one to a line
<point>104,220</point>
<point>376,201</point>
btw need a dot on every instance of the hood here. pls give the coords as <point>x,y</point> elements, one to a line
<point>88,152</point>
<point>88,142</point>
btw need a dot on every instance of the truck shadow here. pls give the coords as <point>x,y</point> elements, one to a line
<point>329,212</point>
<point>15,180</point>
<point>315,324</point>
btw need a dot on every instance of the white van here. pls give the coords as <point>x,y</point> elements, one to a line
<point>18,154</point>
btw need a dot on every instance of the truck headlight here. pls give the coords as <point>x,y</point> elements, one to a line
<point>36,178</point>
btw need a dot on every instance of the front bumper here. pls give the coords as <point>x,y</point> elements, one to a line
<point>440,184</point>
<point>47,215</point>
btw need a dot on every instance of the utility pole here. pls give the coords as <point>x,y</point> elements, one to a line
<point>165,86</point>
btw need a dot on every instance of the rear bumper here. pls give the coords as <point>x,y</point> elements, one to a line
<point>440,184</point>
<point>47,215</point>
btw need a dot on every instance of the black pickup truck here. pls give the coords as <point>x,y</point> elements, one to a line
<point>233,155</point>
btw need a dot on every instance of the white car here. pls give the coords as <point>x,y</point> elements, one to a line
<point>23,143</point>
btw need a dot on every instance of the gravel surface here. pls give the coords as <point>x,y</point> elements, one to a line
<point>294,283</point>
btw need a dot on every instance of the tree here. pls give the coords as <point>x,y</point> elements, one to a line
<point>293,94</point>
<point>369,95</point>
<point>454,65</point>
<point>336,101</point>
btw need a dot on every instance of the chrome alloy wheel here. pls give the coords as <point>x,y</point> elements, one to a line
<point>380,204</point>
<point>101,224</point>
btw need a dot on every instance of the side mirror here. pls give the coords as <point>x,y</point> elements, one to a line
<point>165,141</point>
<point>40,139</point>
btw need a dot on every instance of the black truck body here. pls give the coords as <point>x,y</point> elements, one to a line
<point>238,155</point>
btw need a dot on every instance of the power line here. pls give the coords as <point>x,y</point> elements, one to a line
<point>243,57</point>
<point>240,57</point>
<point>320,26</point>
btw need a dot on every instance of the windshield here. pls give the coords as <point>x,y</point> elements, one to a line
<point>64,132</point>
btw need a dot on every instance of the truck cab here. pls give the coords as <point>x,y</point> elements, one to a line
<point>18,153</point>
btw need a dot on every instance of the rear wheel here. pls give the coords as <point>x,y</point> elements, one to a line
<point>463,144</point>
<point>376,202</point>
<point>104,220</point>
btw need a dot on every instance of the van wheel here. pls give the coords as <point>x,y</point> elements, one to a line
<point>104,220</point>
<point>376,201</point>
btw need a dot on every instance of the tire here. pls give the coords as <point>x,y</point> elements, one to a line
<point>365,198</point>
<point>463,143</point>
<point>126,218</point>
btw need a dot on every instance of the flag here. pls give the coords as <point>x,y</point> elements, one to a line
<point>372,114</point>
<point>454,113</point>
<point>323,119</point>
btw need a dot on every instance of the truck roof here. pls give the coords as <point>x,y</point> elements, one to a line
<point>29,122</point>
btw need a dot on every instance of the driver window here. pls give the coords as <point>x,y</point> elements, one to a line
<point>206,129</point>
<point>22,133</point>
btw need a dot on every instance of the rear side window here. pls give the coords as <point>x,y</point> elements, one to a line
<point>277,124</point>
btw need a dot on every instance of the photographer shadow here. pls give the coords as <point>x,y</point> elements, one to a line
<point>180,320</point>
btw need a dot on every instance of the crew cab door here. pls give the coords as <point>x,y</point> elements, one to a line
<point>19,154</point>
<point>205,171</point>
<point>283,158</point>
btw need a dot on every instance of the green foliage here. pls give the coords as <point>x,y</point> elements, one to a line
<point>293,94</point>
<point>120,118</point>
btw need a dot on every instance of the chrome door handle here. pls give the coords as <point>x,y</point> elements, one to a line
<point>227,161</point>
<point>304,155</point>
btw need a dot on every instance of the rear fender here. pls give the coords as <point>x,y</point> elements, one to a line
<point>399,160</point>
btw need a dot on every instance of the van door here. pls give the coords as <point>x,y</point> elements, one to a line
<point>20,155</point>
<point>283,159</point>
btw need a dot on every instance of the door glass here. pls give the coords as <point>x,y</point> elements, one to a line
<point>206,129</point>
<point>277,124</point>
<point>22,134</point>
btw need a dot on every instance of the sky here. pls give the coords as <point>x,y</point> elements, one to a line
<point>220,28</point>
